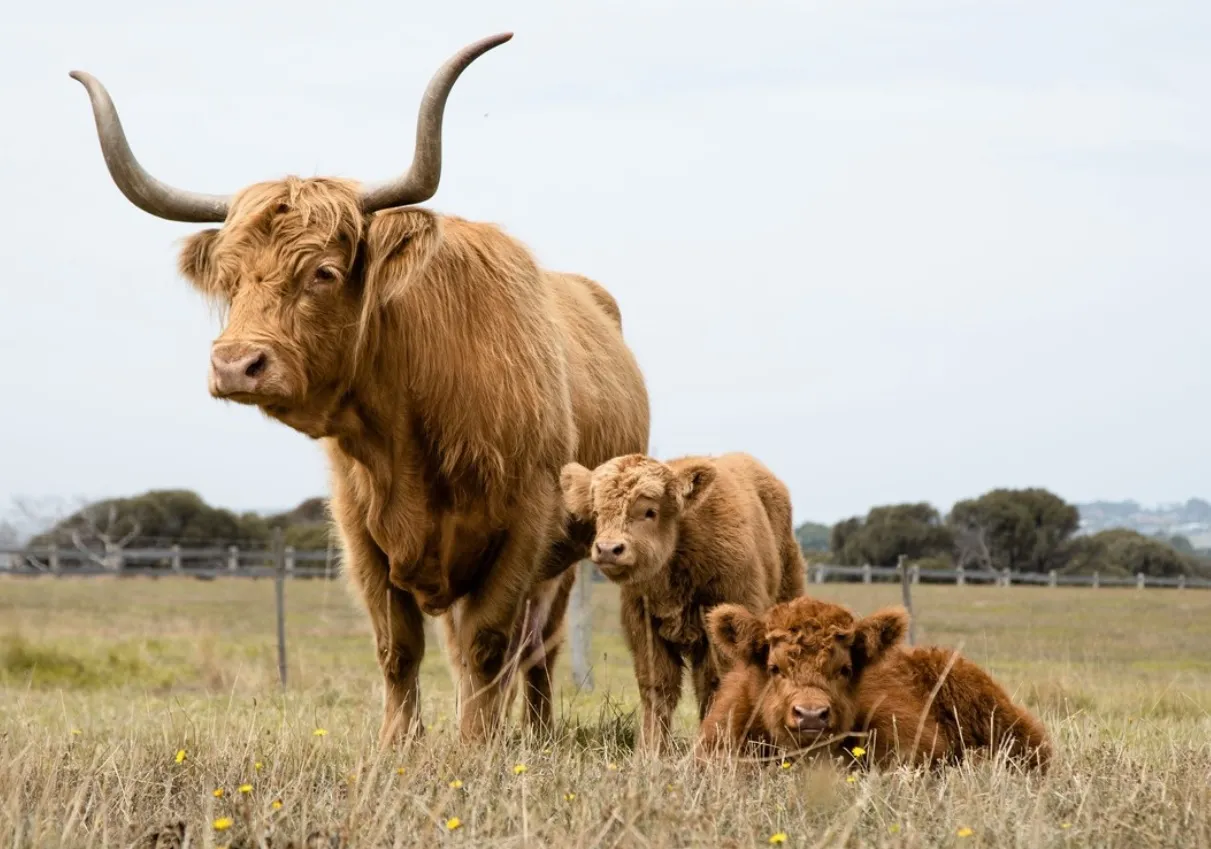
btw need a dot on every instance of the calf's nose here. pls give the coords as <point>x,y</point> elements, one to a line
<point>809,718</point>
<point>608,551</point>
<point>236,367</point>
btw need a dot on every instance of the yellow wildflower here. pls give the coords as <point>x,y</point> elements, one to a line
<point>453,823</point>
<point>1065,825</point>
<point>612,767</point>
<point>964,832</point>
<point>245,788</point>
<point>218,792</point>
<point>222,823</point>
<point>777,838</point>
<point>258,766</point>
<point>319,732</point>
<point>851,779</point>
<point>546,751</point>
<point>276,804</point>
<point>786,764</point>
<point>858,751</point>
<point>518,769</point>
<point>180,758</point>
<point>456,784</point>
<point>399,770</point>
<point>75,732</point>
<point>893,829</point>
<point>569,797</point>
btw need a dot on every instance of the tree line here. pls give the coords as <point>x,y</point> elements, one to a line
<point>1022,530</point>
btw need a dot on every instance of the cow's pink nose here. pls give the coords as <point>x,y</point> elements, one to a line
<point>236,367</point>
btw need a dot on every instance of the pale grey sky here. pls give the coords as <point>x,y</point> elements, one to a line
<point>899,251</point>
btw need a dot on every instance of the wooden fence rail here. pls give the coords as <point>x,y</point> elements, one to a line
<point>233,561</point>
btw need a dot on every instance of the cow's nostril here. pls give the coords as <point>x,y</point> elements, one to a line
<point>256,366</point>
<point>619,548</point>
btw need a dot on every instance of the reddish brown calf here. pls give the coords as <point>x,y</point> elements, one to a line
<point>808,674</point>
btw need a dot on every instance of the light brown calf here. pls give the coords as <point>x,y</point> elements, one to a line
<point>679,538</point>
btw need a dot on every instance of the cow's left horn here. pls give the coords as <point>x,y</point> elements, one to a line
<point>419,183</point>
<point>140,188</point>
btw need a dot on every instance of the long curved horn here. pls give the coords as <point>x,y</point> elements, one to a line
<point>420,181</point>
<point>140,188</point>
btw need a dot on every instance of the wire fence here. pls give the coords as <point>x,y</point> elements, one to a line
<point>282,563</point>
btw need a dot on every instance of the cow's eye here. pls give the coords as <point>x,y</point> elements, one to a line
<point>649,514</point>
<point>325,274</point>
<point>774,669</point>
<point>847,670</point>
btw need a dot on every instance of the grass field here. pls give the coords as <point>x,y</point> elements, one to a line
<point>126,705</point>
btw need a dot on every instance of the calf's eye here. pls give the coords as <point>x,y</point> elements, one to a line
<point>325,274</point>
<point>650,514</point>
<point>774,669</point>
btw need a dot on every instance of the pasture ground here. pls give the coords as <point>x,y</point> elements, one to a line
<point>104,681</point>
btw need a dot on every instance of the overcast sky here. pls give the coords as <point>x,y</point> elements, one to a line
<point>898,251</point>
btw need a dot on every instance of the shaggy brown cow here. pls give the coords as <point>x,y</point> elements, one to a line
<point>679,538</point>
<point>449,377</point>
<point>809,672</point>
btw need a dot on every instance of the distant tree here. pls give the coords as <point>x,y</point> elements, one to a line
<point>1125,552</point>
<point>913,530</point>
<point>1023,530</point>
<point>1181,544</point>
<point>813,536</point>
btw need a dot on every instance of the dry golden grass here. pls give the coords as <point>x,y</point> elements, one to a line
<point>104,681</point>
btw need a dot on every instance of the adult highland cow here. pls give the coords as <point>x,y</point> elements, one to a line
<point>447,375</point>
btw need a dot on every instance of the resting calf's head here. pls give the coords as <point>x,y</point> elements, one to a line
<point>636,504</point>
<point>807,656</point>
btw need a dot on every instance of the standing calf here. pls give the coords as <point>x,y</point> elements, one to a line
<point>808,670</point>
<point>680,538</point>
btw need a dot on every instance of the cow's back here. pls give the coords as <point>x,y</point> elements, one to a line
<point>608,395</point>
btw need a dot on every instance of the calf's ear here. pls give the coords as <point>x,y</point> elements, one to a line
<point>877,633</point>
<point>194,262</point>
<point>574,480</point>
<point>694,481</point>
<point>739,634</point>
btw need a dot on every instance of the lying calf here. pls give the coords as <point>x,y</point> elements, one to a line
<point>679,538</point>
<point>808,673</point>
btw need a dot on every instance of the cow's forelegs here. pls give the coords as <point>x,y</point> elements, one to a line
<point>483,623</point>
<point>399,635</point>
<point>543,638</point>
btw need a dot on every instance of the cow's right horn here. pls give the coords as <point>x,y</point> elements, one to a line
<point>420,181</point>
<point>140,188</point>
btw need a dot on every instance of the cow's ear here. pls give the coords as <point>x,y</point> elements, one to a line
<point>398,245</point>
<point>737,633</point>
<point>694,480</point>
<point>195,265</point>
<point>877,633</point>
<point>574,480</point>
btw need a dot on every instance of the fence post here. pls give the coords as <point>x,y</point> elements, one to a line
<point>1181,582</point>
<point>1139,580</point>
<point>582,625</point>
<point>233,558</point>
<point>1005,577</point>
<point>54,558</point>
<point>176,558</point>
<point>866,573</point>
<point>279,591</point>
<point>1051,582</point>
<point>290,560</point>
<point>1097,580</point>
<point>818,569</point>
<point>916,573</point>
<point>960,577</point>
<point>906,592</point>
